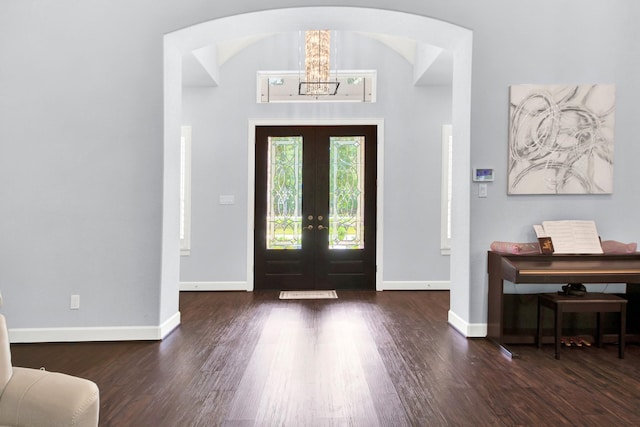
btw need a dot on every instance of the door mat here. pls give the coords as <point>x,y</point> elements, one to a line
<point>308,295</point>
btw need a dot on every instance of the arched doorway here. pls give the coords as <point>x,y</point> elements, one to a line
<point>252,25</point>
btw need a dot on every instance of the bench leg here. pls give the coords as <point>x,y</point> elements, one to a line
<point>599,334</point>
<point>558,330</point>
<point>623,330</point>
<point>539,330</point>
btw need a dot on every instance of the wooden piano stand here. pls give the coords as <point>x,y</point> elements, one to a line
<point>552,270</point>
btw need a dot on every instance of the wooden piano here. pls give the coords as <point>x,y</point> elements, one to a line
<point>551,269</point>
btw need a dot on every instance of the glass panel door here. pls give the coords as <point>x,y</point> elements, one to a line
<point>346,192</point>
<point>284,193</point>
<point>315,207</point>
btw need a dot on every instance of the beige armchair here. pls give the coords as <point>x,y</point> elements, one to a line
<point>34,397</point>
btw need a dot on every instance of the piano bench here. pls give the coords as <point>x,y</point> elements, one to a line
<point>591,302</point>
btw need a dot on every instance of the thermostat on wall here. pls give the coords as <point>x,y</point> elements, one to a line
<point>482,174</point>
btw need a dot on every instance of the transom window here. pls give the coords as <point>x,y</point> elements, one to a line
<point>284,86</point>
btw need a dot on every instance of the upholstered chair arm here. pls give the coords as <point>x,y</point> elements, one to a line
<point>35,397</point>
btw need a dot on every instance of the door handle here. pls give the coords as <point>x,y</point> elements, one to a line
<point>310,227</point>
<point>321,227</point>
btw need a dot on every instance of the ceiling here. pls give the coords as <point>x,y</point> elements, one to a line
<point>433,66</point>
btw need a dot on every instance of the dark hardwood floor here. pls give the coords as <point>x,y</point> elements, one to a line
<point>365,359</point>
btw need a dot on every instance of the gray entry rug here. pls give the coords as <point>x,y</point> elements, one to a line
<point>308,295</point>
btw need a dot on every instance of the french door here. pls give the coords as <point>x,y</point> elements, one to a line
<point>315,207</point>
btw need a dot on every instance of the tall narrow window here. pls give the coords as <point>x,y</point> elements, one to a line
<point>445,217</point>
<point>185,191</point>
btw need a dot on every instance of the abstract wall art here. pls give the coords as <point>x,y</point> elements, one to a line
<point>561,139</point>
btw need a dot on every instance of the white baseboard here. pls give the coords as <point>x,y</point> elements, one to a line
<point>124,333</point>
<point>469,330</point>
<point>433,285</point>
<point>437,285</point>
<point>169,325</point>
<point>213,286</point>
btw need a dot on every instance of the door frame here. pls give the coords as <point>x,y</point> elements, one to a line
<point>251,154</point>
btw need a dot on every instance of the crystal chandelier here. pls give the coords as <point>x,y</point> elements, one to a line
<point>317,48</point>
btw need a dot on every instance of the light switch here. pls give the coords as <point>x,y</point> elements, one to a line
<point>75,302</point>
<point>482,190</point>
<point>227,199</point>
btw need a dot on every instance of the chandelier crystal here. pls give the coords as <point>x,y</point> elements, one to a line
<point>317,49</point>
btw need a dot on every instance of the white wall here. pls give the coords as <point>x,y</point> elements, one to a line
<point>551,42</point>
<point>81,129</point>
<point>80,164</point>
<point>413,117</point>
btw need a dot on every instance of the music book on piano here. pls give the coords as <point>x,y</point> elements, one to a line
<point>569,237</point>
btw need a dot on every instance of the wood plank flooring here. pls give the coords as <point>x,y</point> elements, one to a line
<point>366,359</point>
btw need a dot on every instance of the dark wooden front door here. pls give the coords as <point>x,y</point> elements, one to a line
<point>315,207</point>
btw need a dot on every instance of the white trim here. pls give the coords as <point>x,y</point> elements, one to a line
<point>213,286</point>
<point>116,333</point>
<point>416,285</point>
<point>469,330</point>
<point>380,205</point>
<point>432,285</point>
<point>253,123</point>
<point>169,325</point>
<point>427,30</point>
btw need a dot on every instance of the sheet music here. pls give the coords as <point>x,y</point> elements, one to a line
<point>540,233</point>
<point>573,237</point>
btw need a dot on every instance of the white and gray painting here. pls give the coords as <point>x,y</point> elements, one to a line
<point>561,139</point>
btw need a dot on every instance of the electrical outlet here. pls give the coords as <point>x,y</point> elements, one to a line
<point>75,302</point>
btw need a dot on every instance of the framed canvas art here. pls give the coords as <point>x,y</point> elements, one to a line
<point>561,139</point>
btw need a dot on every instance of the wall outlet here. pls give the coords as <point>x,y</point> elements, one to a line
<point>75,302</point>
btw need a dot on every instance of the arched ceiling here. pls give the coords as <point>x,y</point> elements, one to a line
<point>432,65</point>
